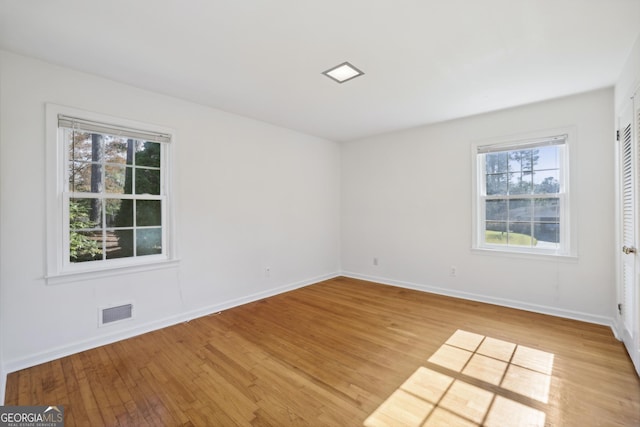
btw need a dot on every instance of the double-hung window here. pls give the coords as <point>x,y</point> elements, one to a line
<point>111,195</point>
<point>522,196</point>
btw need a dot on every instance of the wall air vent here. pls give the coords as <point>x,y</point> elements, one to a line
<point>115,314</point>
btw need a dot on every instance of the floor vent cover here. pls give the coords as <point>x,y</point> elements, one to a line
<point>114,314</point>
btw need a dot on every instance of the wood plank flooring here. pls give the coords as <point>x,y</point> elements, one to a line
<point>332,353</point>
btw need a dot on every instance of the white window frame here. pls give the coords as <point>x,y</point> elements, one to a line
<point>568,212</point>
<point>59,267</point>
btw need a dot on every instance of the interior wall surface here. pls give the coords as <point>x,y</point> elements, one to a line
<point>407,211</point>
<point>256,212</point>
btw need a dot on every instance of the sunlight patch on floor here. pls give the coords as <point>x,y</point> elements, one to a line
<point>500,371</point>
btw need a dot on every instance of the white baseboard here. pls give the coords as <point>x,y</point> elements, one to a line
<point>553,311</point>
<point>56,353</point>
<point>615,327</point>
<point>77,347</point>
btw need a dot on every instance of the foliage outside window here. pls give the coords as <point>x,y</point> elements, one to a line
<point>113,196</point>
<point>522,196</point>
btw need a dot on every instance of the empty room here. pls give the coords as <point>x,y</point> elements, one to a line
<point>289,213</point>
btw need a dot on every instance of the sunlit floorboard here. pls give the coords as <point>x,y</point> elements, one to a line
<point>441,393</point>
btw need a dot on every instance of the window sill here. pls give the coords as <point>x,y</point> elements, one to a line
<point>524,255</point>
<point>76,276</point>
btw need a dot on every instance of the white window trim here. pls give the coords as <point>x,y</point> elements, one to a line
<point>58,270</point>
<point>568,205</point>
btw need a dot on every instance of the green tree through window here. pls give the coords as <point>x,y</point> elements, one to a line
<point>116,206</point>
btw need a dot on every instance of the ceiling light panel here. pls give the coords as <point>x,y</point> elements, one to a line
<point>343,72</point>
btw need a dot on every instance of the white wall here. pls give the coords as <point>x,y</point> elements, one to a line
<point>406,199</point>
<point>248,195</point>
<point>629,79</point>
<point>3,374</point>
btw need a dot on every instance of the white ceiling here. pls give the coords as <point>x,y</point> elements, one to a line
<point>424,60</point>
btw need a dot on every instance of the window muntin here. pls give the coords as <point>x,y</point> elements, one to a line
<point>522,196</point>
<point>114,198</point>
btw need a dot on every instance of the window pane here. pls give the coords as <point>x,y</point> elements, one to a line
<point>522,160</point>
<point>520,183</point>
<point>118,179</point>
<point>80,176</point>
<point>497,184</point>
<point>148,154</point>
<point>520,234</point>
<point>496,162</point>
<point>496,210</point>
<point>546,182</point>
<point>119,212</point>
<point>147,181</point>
<point>149,241</point>
<point>547,235</point>
<point>115,150</point>
<point>85,214</point>
<point>496,233</point>
<point>85,246</point>
<point>548,158</point>
<point>546,210</point>
<point>148,213</point>
<point>114,218</point>
<point>119,244</point>
<point>85,177</point>
<point>520,210</point>
<point>81,146</point>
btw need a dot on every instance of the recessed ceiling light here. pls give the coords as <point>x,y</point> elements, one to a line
<point>343,72</point>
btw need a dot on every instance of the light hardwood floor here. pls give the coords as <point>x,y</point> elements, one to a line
<point>341,353</point>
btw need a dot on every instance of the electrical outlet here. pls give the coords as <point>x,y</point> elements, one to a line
<point>453,271</point>
<point>267,272</point>
<point>375,261</point>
